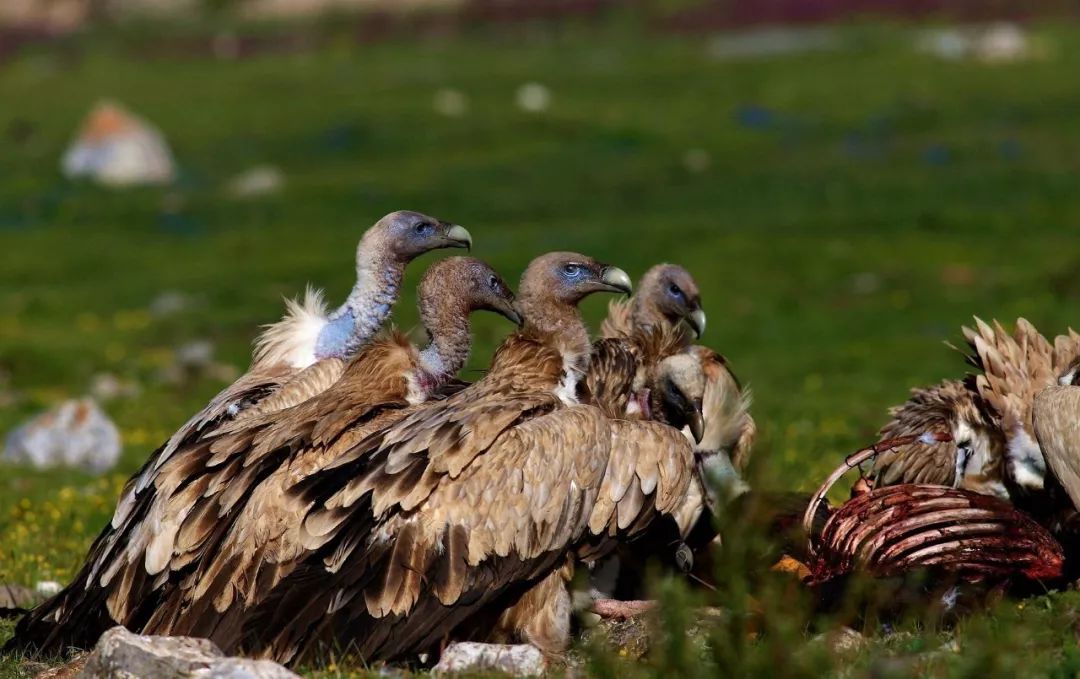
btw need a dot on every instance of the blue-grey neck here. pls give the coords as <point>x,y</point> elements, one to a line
<point>356,321</point>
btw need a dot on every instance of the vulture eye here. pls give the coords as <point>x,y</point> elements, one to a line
<point>573,270</point>
<point>493,283</point>
<point>424,229</point>
<point>676,292</point>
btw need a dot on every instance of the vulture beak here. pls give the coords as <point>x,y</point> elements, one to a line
<point>616,280</point>
<point>511,314</point>
<point>459,236</point>
<point>696,423</point>
<point>696,321</point>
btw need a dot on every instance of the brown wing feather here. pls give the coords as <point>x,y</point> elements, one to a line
<point>1057,426</point>
<point>928,410</point>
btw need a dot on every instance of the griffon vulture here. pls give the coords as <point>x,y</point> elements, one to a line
<point>434,525</point>
<point>142,525</point>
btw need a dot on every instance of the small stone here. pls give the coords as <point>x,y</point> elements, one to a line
<point>74,434</point>
<point>842,641</point>
<point>107,387</point>
<point>169,302</point>
<point>519,660</point>
<point>47,587</point>
<point>533,98</point>
<point>258,181</point>
<point>629,638</point>
<point>450,102</point>
<point>15,596</point>
<point>195,354</point>
<point>119,653</point>
<point>117,148</point>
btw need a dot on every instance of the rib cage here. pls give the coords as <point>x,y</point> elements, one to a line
<point>893,530</point>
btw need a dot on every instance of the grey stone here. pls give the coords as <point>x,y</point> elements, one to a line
<point>76,433</point>
<point>120,654</point>
<point>520,660</point>
<point>16,596</point>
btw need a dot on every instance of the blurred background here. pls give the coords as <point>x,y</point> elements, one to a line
<point>849,180</point>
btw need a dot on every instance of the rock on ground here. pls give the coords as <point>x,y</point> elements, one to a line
<point>521,660</point>
<point>117,148</point>
<point>14,596</point>
<point>121,654</point>
<point>76,433</point>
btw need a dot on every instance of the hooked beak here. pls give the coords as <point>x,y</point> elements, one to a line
<point>696,423</point>
<point>510,313</point>
<point>459,237</point>
<point>696,321</point>
<point>616,280</point>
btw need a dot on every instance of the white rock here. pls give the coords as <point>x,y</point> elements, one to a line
<point>1002,42</point>
<point>450,102</point>
<point>47,587</point>
<point>261,180</point>
<point>119,653</point>
<point>519,660</point>
<point>76,433</point>
<point>533,98</point>
<point>107,386</point>
<point>117,148</point>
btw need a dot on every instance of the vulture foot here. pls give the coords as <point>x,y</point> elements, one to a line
<point>622,610</point>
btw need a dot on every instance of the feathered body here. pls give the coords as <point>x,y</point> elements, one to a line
<point>989,416</point>
<point>293,361</point>
<point>434,525</point>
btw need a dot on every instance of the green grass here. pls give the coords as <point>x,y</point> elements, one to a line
<point>886,198</point>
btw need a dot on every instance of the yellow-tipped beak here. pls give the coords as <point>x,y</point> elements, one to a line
<point>617,279</point>
<point>696,320</point>
<point>460,236</point>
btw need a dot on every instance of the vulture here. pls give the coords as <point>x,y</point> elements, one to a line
<point>136,547</point>
<point>440,522</point>
<point>667,297</point>
<point>637,334</point>
<point>970,458</point>
<point>988,415</point>
<point>239,542</point>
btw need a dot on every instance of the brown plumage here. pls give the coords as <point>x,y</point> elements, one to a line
<point>988,415</point>
<point>239,472</point>
<point>1014,368</point>
<point>666,303</point>
<point>971,459</point>
<point>667,296</point>
<point>1057,428</point>
<point>445,518</point>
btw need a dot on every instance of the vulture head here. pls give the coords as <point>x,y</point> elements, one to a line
<point>669,292</point>
<point>979,449</point>
<point>677,392</point>
<point>463,282</point>
<point>405,235</point>
<point>566,278</point>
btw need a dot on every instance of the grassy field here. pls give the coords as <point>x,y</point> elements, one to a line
<point>857,207</point>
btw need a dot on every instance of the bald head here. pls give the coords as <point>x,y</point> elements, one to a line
<point>668,294</point>
<point>678,389</point>
<point>466,284</point>
<point>404,235</point>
